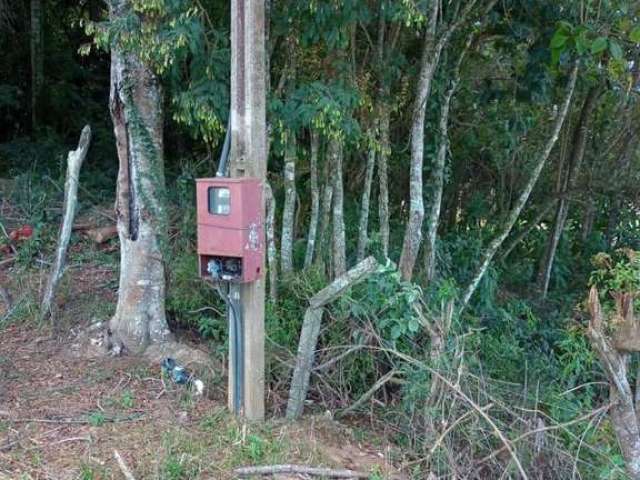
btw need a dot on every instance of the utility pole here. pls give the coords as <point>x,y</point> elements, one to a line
<point>248,158</point>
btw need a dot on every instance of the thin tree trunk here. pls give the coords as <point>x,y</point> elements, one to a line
<point>622,167</point>
<point>562,210</point>
<point>289,208</point>
<point>325,224</point>
<point>37,61</point>
<point>383,180</point>
<point>495,244</point>
<point>413,230</point>
<point>315,200</point>
<point>588,218</point>
<point>363,224</point>
<point>311,330</point>
<point>339,241</point>
<point>532,224</point>
<point>437,179</point>
<point>136,111</point>
<point>272,251</point>
<point>431,53</point>
<point>74,163</point>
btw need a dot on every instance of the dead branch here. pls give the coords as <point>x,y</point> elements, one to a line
<point>123,466</point>
<point>369,393</point>
<point>311,330</point>
<point>74,162</point>
<point>298,469</point>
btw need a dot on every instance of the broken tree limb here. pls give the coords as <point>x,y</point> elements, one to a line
<point>624,416</point>
<point>74,162</point>
<point>311,330</point>
<point>298,469</point>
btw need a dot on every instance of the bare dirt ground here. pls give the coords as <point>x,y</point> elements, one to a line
<point>62,415</point>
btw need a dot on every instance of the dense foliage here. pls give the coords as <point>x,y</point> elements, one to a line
<point>347,71</point>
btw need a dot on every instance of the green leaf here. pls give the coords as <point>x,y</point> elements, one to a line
<point>634,35</point>
<point>558,40</point>
<point>397,331</point>
<point>599,45</point>
<point>615,49</point>
<point>582,44</point>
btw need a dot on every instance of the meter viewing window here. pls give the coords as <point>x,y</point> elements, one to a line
<point>219,201</point>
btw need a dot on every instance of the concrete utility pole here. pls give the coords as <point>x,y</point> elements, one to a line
<point>248,158</point>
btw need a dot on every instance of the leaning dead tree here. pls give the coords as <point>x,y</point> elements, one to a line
<point>74,162</point>
<point>311,330</point>
<point>495,244</point>
<point>614,354</point>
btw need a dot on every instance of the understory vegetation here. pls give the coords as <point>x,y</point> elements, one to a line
<point>470,349</point>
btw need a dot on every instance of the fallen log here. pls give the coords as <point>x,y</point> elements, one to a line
<point>298,470</point>
<point>74,162</point>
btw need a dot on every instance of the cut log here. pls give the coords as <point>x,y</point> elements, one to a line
<point>74,162</point>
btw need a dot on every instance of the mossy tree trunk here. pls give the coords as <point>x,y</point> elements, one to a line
<point>136,110</point>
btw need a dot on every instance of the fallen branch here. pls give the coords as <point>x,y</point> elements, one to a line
<point>123,466</point>
<point>75,421</point>
<point>298,469</point>
<point>74,162</point>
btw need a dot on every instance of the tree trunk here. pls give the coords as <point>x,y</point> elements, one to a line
<point>621,170</point>
<point>289,208</point>
<point>272,251</point>
<point>383,180</point>
<point>136,111</point>
<point>437,179</point>
<point>495,244</point>
<point>432,50</point>
<point>562,210</point>
<point>588,218</point>
<point>339,242</point>
<point>546,208</point>
<point>413,230</point>
<point>363,225</point>
<point>37,61</point>
<point>315,199</point>
<point>325,223</point>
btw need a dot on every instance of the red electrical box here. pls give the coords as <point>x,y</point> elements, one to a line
<point>230,228</point>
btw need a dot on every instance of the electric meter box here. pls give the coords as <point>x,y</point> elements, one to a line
<point>230,228</point>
